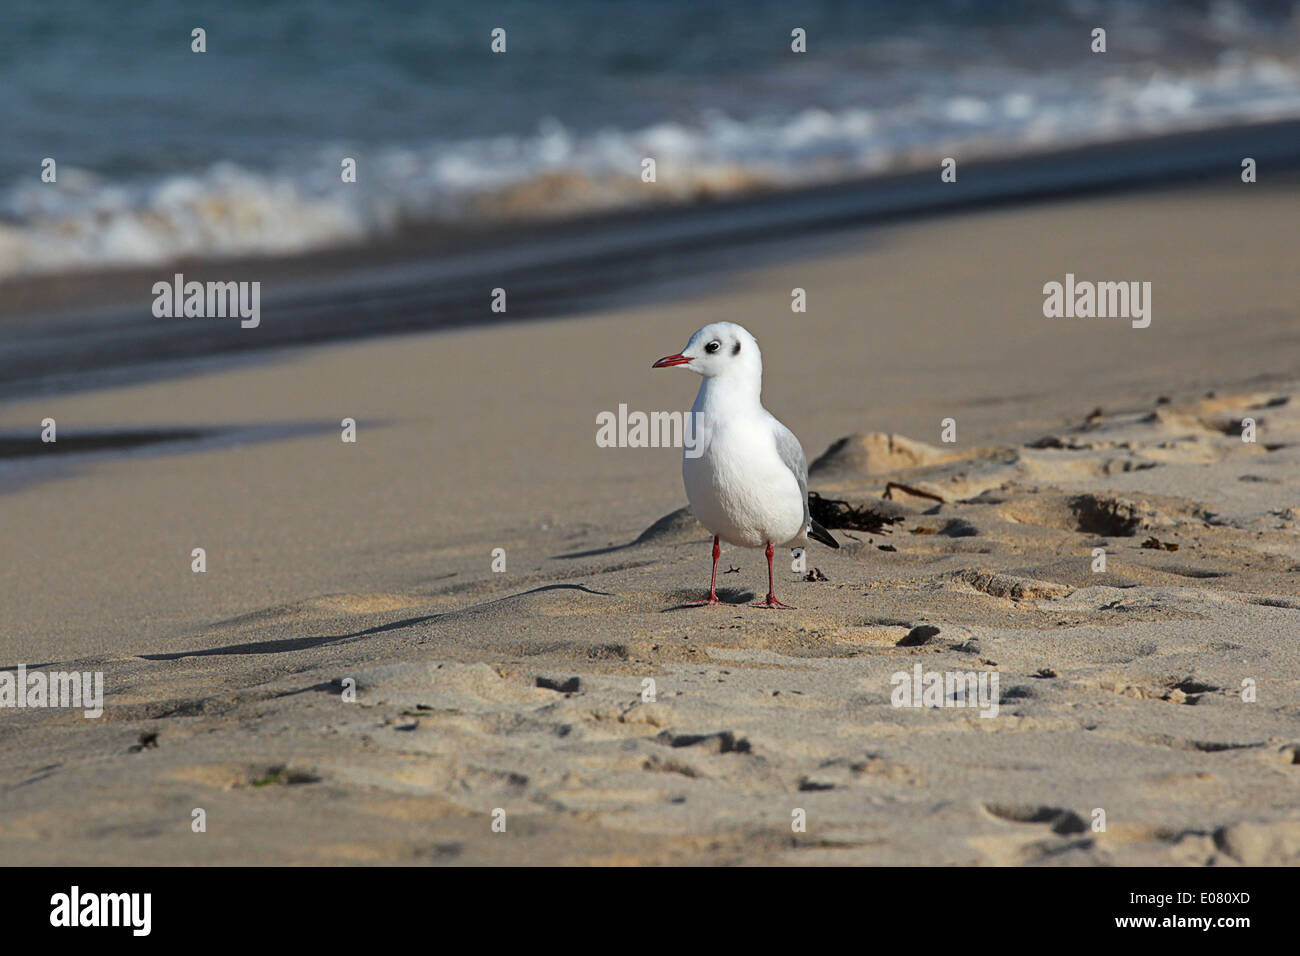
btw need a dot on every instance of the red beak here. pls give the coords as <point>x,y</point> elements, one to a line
<point>670,360</point>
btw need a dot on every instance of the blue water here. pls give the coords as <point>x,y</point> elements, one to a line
<point>162,151</point>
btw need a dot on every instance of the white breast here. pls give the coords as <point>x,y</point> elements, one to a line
<point>741,490</point>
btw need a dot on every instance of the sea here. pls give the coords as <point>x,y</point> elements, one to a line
<point>162,152</point>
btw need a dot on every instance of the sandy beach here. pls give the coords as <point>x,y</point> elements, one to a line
<point>523,690</point>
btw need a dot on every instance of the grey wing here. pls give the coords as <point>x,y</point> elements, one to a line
<point>791,452</point>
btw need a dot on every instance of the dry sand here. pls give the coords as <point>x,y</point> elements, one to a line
<point>522,690</point>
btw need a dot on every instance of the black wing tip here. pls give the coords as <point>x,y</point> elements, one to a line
<point>818,533</point>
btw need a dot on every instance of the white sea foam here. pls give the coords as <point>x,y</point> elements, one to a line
<point>83,222</point>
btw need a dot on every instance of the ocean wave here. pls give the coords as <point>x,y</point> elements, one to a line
<point>86,222</point>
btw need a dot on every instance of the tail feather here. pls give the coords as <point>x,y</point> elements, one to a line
<point>818,533</point>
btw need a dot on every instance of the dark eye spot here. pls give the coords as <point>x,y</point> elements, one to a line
<point>735,349</point>
<point>713,346</point>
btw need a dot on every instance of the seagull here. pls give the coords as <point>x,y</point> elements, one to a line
<point>749,483</point>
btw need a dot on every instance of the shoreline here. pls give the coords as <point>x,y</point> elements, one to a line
<point>433,279</point>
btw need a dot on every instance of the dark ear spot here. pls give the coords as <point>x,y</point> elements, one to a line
<point>735,349</point>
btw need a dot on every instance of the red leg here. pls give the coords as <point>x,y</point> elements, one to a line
<point>771,595</point>
<point>713,581</point>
